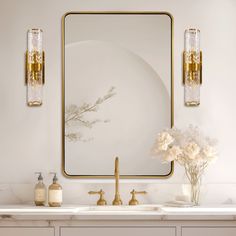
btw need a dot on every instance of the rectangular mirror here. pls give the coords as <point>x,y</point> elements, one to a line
<point>117,92</point>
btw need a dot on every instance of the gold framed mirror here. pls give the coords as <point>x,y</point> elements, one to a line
<point>117,92</point>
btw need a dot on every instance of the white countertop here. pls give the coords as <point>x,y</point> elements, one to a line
<point>152,212</point>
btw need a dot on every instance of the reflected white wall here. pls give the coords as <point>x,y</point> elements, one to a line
<point>139,110</point>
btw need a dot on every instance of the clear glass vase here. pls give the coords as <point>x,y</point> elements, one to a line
<point>194,175</point>
<point>195,191</point>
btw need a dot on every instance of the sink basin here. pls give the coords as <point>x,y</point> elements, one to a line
<point>139,208</point>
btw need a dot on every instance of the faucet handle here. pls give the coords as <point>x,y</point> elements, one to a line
<point>133,200</point>
<point>101,201</point>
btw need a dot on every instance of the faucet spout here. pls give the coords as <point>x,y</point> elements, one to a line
<point>117,200</point>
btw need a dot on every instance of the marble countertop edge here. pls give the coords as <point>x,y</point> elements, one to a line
<point>82,212</point>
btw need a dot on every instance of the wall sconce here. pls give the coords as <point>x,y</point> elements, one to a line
<point>35,67</point>
<point>192,67</point>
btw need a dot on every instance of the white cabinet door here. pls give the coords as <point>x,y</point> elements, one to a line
<point>26,231</point>
<point>208,231</point>
<point>118,231</point>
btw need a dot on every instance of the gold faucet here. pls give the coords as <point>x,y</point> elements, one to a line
<point>117,200</point>
<point>133,200</point>
<point>101,201</point>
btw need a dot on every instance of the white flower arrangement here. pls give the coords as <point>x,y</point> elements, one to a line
<point>190,149</point>
<point>187,147</point>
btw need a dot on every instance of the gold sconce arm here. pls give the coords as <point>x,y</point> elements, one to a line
<point>101,201</point>
<point>133,200</point>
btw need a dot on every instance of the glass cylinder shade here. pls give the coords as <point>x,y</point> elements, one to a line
<point>35,67</point>
<point>192,67</point>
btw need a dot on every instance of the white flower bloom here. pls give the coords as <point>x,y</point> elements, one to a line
<point>209,151</point>
<point>172,154</point>
<point>164,139</point>
<point>198,160</point>
<point>191,150</point>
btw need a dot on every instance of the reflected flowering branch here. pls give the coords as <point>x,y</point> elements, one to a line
<point>75,116</point>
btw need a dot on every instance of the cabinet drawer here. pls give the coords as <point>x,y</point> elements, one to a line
<point>118,231</point>
<point>26,231</point>
<point>208,231</point>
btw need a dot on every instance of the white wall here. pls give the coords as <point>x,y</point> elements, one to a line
<point>30,138</point>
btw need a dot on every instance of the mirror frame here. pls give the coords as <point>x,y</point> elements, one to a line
<point>63,93</point>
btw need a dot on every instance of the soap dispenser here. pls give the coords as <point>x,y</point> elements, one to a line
<point>40,191</point>
<point>55,192</point>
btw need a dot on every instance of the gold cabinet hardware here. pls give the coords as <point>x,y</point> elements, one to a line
<point>133,200</point>
<point>101,201</point>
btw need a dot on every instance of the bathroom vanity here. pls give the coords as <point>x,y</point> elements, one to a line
<point>121,220</point>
